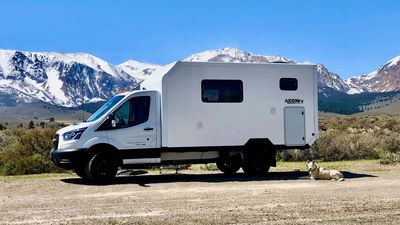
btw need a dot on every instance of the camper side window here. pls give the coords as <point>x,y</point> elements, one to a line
<point>222,90</point>
<point>288,84</point>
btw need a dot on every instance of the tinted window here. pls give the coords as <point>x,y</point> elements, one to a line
<point>222,90</point>
<point>122,115</point>
<point>288,84</point>
<point>141,108</point>
<point>133,112</point>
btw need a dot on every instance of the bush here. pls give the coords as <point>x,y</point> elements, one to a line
<point>390,158</point>
<point>28,152</point>
<point>337,145</point>
<point>391,143</point>
<point>351,138</point>
<point>209,167</point>
<point>294,155</point>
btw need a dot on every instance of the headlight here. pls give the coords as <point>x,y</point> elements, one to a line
<point>74,134</point>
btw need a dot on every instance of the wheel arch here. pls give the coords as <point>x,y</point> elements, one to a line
<point>262,146</point>
<point>100,147</point>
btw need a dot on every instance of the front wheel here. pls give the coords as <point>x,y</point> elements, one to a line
<point>229,165</point>
<point>101,167</point>
<point>81,172</point>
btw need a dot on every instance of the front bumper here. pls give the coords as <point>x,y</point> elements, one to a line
<point>68,158</point>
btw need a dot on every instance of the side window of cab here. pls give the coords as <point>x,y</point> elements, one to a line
<point>133,112</point>
<point>121,115</point>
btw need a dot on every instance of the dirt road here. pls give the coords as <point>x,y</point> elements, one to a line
<point>280,198</point>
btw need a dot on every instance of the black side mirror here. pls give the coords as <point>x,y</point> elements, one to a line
<point>111,120</point>
<point>108,123</point>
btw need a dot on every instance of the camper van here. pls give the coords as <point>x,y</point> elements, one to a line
<point>233,114</point>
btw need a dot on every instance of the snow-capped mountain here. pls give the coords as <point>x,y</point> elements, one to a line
<point>140,71</point>
<point>234,55</point>
<point>65,79</point>
<point>384,79</point>
<point>329,82</point>
<point>69,79</point>
<point>326,80</point>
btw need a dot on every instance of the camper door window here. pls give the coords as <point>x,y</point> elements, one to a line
<point>222,90</point>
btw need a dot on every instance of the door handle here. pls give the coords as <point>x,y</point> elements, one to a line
<point>148,128</point>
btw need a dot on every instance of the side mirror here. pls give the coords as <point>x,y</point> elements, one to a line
<point>111,119</point>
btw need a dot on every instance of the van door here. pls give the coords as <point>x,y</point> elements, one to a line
<point>295,126</point>
<point>135,129</point>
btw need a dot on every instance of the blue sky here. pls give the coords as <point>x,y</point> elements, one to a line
<point>349,37</point>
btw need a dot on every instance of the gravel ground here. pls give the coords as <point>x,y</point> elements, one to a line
<point>279,198</point>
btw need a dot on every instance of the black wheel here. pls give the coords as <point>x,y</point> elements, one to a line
<point>255,163</point>
<point>101,167</point>
<point>229,165</point>
<point>255,169</point>
<point>81,173</point>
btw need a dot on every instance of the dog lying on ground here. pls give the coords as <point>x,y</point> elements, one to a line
<point>319,173</point>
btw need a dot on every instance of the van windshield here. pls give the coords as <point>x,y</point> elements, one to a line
<point>107,106</point>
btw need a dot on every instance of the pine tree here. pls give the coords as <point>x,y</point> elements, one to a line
<point>31,125</point>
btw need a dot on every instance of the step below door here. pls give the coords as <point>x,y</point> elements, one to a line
<point>295,126</point>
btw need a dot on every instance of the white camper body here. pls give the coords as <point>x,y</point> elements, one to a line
<point>265,112</point>
<point>235,114</point>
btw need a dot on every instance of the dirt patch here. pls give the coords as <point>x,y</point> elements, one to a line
<point>280,198</point>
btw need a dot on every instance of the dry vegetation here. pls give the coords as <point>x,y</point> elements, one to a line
<point>354,137</point>
<point>26,151</point>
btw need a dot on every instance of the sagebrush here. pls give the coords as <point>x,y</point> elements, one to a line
<point>351,138</point>
<point>26,151</point>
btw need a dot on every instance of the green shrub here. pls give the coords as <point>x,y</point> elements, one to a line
<point>209,167</point>
<point>339,145</point>
<point>390,158</point>
<point>351,138</point>
<point>294,155</point>
<point>27,152</point>
<point>391,143</point>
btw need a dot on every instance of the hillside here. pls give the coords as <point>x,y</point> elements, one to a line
<point>38,112</point>
<point>389,109</point>
<point>342,103</point>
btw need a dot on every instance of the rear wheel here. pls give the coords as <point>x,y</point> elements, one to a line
<point>255,163</point>
<point>256,169</point>
<point>229,165</point>
<point>101,167</point>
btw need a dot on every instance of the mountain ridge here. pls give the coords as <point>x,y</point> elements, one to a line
<point>71,79</point>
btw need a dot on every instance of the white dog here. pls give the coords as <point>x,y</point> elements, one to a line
<point>319,173</point>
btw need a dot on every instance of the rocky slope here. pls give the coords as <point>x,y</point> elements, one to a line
<point>384,79</point>
<point>59,79</point>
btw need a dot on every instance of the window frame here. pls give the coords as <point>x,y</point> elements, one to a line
<point>221,80</point>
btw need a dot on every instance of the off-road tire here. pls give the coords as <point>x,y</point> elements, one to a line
<point>255,163</point>
<point>229,165</point>
<point>81,173</point>
<point>101,167</point>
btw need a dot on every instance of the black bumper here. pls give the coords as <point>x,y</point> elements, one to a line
<point>68,158</point>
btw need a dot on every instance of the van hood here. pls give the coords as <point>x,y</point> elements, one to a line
<point>74,127</point>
